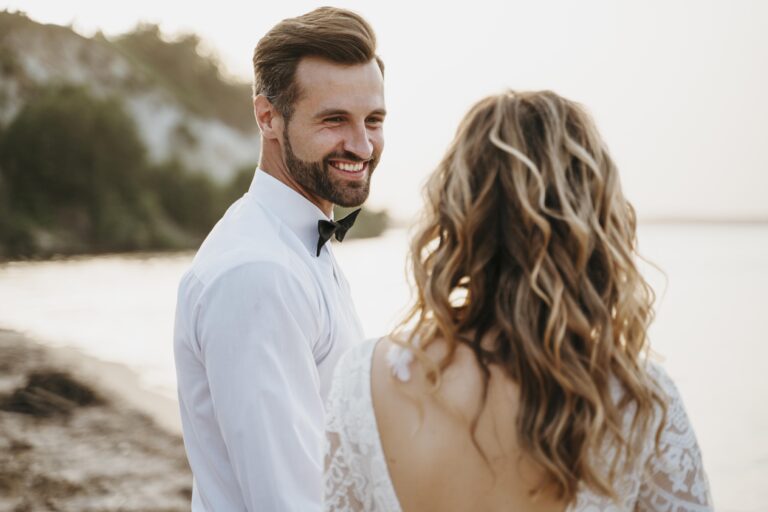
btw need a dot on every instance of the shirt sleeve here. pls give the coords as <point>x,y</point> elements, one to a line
<point>675,478</point>
<point>256,328</point>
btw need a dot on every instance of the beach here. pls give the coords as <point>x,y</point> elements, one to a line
<point>79,441</point>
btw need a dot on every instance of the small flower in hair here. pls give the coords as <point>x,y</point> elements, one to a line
<point>399,360</point>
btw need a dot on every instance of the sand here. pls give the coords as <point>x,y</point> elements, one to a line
<point>82,443</point>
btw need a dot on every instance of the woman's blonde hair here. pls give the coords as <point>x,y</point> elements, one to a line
<point>526,255</point>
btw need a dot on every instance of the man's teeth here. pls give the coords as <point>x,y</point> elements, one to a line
<point>349,167</point>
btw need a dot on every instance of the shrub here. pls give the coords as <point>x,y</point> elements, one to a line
<point>72,168</point>
<point>191,200</point>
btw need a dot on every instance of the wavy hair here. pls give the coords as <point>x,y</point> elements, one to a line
<point>526,254</point>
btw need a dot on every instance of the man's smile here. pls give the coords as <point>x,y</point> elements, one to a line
<point>351,169</point>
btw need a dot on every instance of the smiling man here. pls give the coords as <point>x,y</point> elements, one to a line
<point>265,312</point>
<point>327,143</point>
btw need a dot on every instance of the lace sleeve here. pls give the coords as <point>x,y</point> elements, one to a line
<point>675,480</point>
<point>342,491</point>
<point>346,485</point>
<point>356,475</point>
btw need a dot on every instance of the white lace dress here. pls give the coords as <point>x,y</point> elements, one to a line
<point>357,479</point>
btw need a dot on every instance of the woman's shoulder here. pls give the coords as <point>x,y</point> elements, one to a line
<point>676,427</point>
<point>665,384</point>
<point>404,385</point>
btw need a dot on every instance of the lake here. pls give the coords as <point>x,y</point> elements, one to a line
<point>710,325</point>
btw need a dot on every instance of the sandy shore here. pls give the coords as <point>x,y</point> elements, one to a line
<point>77,434</point>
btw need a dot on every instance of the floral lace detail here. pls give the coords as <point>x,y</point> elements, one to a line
<point>675,480</point>
<point>357,478</point>
<point>356,475</point>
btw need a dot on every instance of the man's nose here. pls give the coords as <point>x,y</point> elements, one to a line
<point>359,142</point>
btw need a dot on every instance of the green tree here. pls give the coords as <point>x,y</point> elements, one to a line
<point>73,168</point>
<point>239,183</point>
<point>191,200</point>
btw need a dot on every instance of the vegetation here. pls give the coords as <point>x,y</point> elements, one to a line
<point>10,20</point>
<point>74,178</point>
<point>192,201</point>
<point>72,168</point>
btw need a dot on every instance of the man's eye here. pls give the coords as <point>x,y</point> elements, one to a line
<point>375,120</point>
<point>334,120</point>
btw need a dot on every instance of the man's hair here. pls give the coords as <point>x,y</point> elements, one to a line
<point>338,35</point>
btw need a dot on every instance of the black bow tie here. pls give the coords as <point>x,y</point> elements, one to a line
<point>328,228</point>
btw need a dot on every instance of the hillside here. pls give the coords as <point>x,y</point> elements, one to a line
<point>183,108</point>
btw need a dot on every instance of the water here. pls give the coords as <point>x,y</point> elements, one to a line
<point>710,326</point>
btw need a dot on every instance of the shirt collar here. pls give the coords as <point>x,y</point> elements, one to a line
<point>293,209</point>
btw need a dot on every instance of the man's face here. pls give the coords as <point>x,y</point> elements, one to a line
<point>334,138</point>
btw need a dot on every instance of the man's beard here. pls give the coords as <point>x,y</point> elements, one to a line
<point>318,179</point>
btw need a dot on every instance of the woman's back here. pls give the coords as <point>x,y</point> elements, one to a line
<point>432,460</point>
<point>395,446</point>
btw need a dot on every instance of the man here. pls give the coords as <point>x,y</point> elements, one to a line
<point>265,312</point>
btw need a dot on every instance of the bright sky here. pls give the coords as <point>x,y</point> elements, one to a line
<point>678,88</point>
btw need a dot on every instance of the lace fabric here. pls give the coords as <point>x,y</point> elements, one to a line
<point>356,475</point>
<point>357,478</point>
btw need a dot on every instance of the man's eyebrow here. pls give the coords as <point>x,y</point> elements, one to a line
<point>341,112</point>
<point>331,112</point>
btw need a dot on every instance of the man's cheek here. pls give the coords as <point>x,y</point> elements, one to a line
<point>320,147</point>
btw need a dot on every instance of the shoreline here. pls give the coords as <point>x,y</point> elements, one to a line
<point>94,441</point>
<point>119,382</point>
<point>396,224</point>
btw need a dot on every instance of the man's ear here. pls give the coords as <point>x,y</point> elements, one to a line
<point>268,118</point>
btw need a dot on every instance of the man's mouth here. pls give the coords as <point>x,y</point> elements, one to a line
<point>350,168</point>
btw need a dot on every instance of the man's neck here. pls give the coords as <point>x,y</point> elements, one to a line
<point>275,167</point>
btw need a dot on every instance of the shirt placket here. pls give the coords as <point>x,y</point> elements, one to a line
<point>336,271</point>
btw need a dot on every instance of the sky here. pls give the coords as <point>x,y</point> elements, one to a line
<point>677,88</point>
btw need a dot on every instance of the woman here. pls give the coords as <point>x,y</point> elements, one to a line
<point>522,381</point>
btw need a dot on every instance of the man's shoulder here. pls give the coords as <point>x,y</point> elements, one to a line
<point>244,241</point>
<point>246,263</point>
<point>254,280</point>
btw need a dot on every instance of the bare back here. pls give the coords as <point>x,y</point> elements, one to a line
<point>426,438</point>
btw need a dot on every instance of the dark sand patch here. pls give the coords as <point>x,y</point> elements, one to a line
<point>66,445</point>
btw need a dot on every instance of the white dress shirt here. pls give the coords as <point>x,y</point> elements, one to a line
<point>260,324</point>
